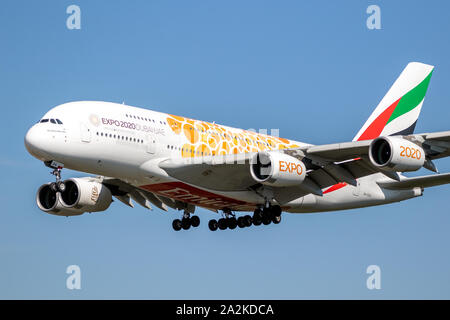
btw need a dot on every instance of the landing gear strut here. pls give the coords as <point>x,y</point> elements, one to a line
<point>186,222</point>
<point>57,167</point>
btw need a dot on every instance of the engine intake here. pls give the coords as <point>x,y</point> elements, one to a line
<point>46,198</point>
<point>49,201</point>
<point>277,169</point>
<point>396,154</point>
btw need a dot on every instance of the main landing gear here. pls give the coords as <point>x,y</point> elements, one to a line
<point>186,222</point>
<point>265,216</point>
<point>229,221</point>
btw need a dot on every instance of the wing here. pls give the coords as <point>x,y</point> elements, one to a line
<point>125,193</point>
<point>232,172</point>
<point>326,165</point>
<point>422,182</point>
<point>435,144</point>
<point>221,173</point>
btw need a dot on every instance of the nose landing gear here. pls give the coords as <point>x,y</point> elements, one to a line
<point>58,185</point>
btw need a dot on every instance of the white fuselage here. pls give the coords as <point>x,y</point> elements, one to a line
<point>127,143</point>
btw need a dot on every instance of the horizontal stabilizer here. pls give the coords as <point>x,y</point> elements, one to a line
<point>423,182</point>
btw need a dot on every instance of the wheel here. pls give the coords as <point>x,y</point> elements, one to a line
<point>267,216</point>
<point>257,221</point>
<point>267,213</point>
<point>222,224</point>
<point>276,219</point>
<point>195,221</point>
<point>61,186</point>
<point>241,222</point>
<point>248,220</point>
<point>54,187</point>
<point>176,224</point>
<point>213,225</point>
<point>276,210</point>
<point>232,223</point>
<point>186,223</point>
<point>257,213</point>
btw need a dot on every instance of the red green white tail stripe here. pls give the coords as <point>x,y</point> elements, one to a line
<point>398,111</point>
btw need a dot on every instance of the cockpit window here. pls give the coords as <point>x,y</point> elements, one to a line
<point>54,121</point>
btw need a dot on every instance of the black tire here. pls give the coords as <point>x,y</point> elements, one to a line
<point>232,223</point>
<point>248,220</point>
<point>276,219</point>
<point>176,225</point>
<point>266,214</point>
<point>195,221</point>
<point>257,213</point>
<point>223,224</point>
<point>61,186</point>
<point>54,187</point>
<point>213,225</point>
<point>267,218</point>
<point>241,222</point>
<point>276,211</point>
<point>257,222</point>
<point>186,223</point>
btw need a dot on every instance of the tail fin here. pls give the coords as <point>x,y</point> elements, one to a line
<point>398,111</point>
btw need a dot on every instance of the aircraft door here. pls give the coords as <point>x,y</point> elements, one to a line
<point>85,133</point>
<point>151,143</point>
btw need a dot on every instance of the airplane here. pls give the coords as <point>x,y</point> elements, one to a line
<point>169,161</point>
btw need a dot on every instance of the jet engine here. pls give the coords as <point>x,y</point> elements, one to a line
<point>80,195</point>
<point>396,154</point>
<point>277,169</point>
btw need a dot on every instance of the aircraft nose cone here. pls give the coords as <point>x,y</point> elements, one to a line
<point>30,139</point>
<point>34,142</point>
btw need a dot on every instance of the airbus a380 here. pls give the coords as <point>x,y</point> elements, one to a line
<point>168,161</point>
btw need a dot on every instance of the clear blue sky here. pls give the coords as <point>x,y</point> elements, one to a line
<point>311,69</point>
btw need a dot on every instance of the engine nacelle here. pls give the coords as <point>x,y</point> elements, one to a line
<point>396,154</point>
<point>85,194</point>
<point>277,169</point>
<point>80,195</point>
